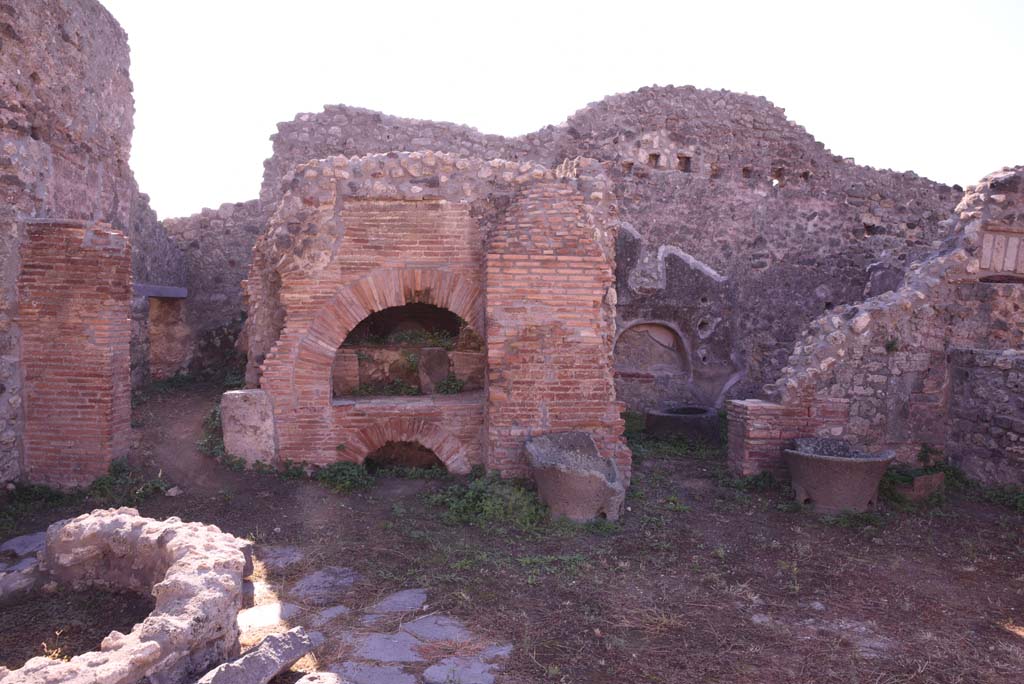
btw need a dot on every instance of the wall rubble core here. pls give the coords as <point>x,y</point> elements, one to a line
<point>930,363</point>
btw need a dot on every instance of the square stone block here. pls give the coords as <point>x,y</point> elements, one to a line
<point>248,423</point>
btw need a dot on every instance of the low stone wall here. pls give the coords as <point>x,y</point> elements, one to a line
<point>986,432</point>
<point>194,571</point>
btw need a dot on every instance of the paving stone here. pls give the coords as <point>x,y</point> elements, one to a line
<point>328,614</point>
<point>404,601</point>
<point>266,615</point>
<point>362,673</point>
<point>496,652</point>
<point>437,628</point>
<point>26,545</point>
<point>460,671</point>
<point>322,678</point>
<point>399,647</point>
<point>279,557</point>
<point>324,586</point>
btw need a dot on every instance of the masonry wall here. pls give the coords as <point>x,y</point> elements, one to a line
<point>74,290</point>
<point>986,431</point>
<point>775,229</point>
<point>548,330</point>
<point>217,247</point>
<point>355,236</point>
<point>65,133</point>
<point>881,368</point>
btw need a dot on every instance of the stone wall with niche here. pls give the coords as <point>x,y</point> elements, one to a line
<point>879,372</point>
<point>720,180</point>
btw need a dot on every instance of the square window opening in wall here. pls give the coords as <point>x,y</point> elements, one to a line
<point>778,176</point>
<point>684,163</point>
<point>627,167</point>
<point>747,171</point>
<point>653,159</point>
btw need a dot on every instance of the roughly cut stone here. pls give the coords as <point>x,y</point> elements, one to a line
<point>328,614</point>
<point>266,615</point>
<point>272,656</point>
<point>322,678</point>
<point>461,670</point>
<point>437,628</point>
<point>362,673</point>
<point>404,601</point>
<point>27,545</point>
<point>573,479</point>
<point>248,421</point>
<point>279,557</point>
<point>399,647</point>
<point>470,368</point>
<point>19,579</point>
<point>325,585</point>
<point>433,368</point>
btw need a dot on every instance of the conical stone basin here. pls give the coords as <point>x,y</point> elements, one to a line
<point>832,477</point>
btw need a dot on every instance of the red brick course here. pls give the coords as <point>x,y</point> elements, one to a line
<point>74,293</point>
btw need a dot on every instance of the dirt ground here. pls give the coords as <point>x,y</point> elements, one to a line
<point>703,581</point>
<point>65,624</point>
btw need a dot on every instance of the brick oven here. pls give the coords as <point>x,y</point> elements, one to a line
<point>425,299</point>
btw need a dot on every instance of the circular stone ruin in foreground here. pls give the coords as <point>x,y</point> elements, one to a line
<point>194,571</point>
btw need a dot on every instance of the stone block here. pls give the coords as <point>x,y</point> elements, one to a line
<point>469,367</point>
<point>248,423</point>
<point>434,367</point>
<point>272,656</point>
<point>573,479</point>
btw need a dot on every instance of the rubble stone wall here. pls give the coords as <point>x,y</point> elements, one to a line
<point>217,247</point>
<point>775,229</point>
<point>986,431</point>
<point>882,366</point>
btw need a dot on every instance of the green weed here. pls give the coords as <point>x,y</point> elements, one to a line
<point>489,501</point>
<point>344,476</point>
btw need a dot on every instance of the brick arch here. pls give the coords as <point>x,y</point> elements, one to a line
<point>382,289</point>
<point>448,448</point>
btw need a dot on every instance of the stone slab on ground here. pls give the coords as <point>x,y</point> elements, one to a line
<point>266,615</point>
<point>25,545</point>
<point>325,585</point>
<point>405,601</point>
<point>322,678</point>
<point>362,673</point>
<point>272,656</point>
<point>328,614</point>
<point>279,557</point>
<point>437,628</point>
<point>399,647</point>
<point>461,670</point>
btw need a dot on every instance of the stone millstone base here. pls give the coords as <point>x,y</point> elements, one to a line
<point>573,479</point>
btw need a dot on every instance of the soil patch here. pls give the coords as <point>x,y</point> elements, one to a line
<point>66,623</point>
<point>706,578</point>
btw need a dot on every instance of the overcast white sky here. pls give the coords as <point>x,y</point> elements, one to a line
<point>934,87</point>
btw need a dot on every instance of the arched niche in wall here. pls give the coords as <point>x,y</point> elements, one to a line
<point>412,349</point>
<point>651,348</point>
